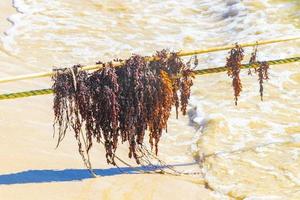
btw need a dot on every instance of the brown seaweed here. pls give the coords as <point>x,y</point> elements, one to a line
<point>263,74</point>
<point>261,69</point>
<point>233,64</point>
<point>113,105</point>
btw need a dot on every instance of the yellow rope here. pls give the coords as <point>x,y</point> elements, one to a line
<point>26,94</point>
<point>188,53</point>
<point>196,72</point>
<point>181,53</point>
<point>246,66</point>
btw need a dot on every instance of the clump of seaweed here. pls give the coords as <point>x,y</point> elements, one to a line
<point>263,74</point>
<point>261,70</point>
<point>71,107</point>
<point>64,88</point>
<point>132,121</point>
<point>174,78</point>
<point>253,58</point>
<point>187,83</point>
<point>104,108</point>
<point>233,64</point>
<point>120,104</point>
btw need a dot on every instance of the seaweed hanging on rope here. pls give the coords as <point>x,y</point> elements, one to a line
<point>263,74</point>
<point>71,106</point>
<point>64,96</point>
<point>253,58</point>
<point>187,77</point>
<point>162,106</point>
<point>233,64</point>
<point>103,124</point>
<point>120,104</point>
<point>261,70</point>
<point>132,120</point>
<point>180,73</point>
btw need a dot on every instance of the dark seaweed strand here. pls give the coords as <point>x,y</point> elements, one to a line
<point>261,71</point>
<point>263,74</point>
<point>233,64</point>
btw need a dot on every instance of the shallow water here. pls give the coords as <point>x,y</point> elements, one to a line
<point>254,147</point>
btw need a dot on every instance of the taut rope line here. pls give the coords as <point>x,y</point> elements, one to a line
<point>181,53</point>
<point>196,72</point>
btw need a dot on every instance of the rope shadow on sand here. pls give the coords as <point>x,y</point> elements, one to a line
<point>46,176</point>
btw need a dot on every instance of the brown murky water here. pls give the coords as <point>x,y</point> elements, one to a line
<point>254,148</point>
